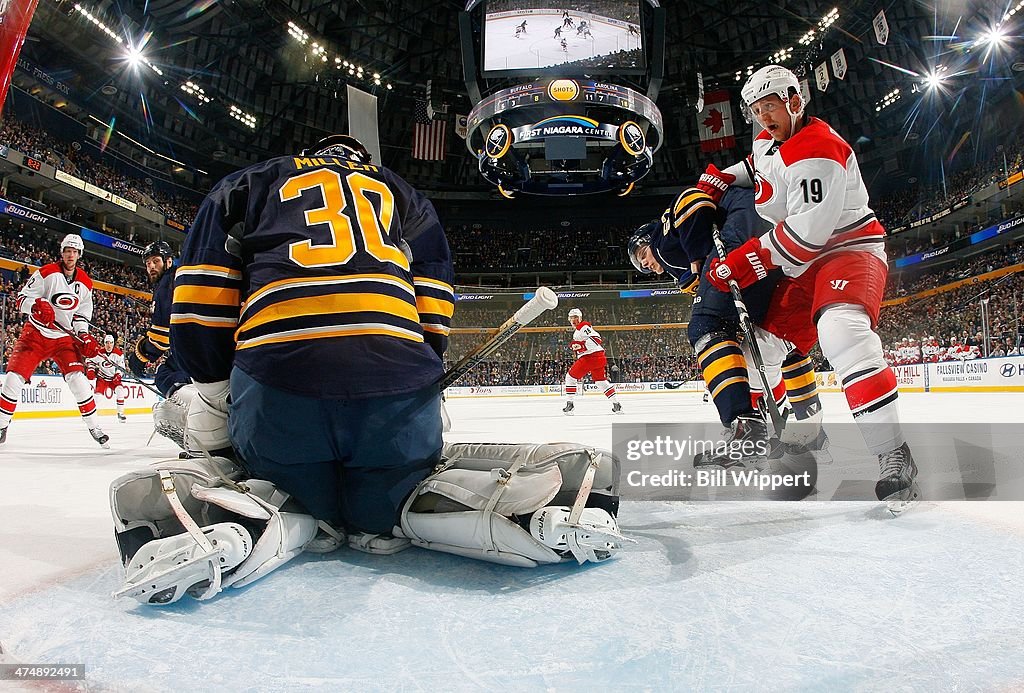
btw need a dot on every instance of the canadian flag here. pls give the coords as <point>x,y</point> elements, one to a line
<point>715,123</point>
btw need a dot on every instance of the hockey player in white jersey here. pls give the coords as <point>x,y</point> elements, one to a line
<point>590,359</point>
<point>830,247</point>
<point>105,368</point>
<point>57,300</point>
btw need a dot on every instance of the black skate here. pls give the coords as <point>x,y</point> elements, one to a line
<point>122,418</point>
<point>616,408</point>
<point>747,445</point>
<point>569,406</point>
<point>100,437</point>
<point>898,485</point>
<point>3,435</point>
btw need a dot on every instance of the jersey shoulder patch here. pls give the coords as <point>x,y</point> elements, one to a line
<point>47,270</point>
<point>816,140</point>
<point>81,276</point>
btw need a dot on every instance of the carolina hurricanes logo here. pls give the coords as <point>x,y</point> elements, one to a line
<point>64,301</point>
<point>763,190</point>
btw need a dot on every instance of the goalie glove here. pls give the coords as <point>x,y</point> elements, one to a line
<point>744,265</point>
<point>206,425</point>
<point>715,182</point>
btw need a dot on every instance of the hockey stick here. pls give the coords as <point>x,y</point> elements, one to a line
<point>747,325</point>
<point>110,363</point>
<point>545,299</point>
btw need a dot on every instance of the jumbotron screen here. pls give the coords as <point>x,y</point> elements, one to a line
<point>528,37</point>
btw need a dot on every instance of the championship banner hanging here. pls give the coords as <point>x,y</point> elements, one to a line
<point>839,64</point>
<point>881,25</point>
<point>821,76</point>
<point>805,91</point>
<point>715,123</point>
<point>15,16</point>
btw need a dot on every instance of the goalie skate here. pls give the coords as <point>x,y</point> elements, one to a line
<point>167,569</point>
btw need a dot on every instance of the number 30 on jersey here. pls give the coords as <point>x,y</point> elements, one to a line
<point>373,227</point>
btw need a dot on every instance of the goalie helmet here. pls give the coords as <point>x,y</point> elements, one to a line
<point>344,146</point>
<point>771,79</point>
<point>73,240</point>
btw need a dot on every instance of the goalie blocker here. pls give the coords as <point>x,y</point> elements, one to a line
<point>520,505</point>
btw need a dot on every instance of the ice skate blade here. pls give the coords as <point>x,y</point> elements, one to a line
<point>898,506</point>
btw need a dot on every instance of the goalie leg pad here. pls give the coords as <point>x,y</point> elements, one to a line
<point>169,415</point>
<point>481,501</point>
<point>205,491</point>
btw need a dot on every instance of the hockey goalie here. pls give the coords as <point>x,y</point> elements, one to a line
<point>195,527</point>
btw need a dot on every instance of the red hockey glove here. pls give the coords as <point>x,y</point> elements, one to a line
<point>715,182</point>
<point>90,373</point>
<point>42,312</point>
<point>744,265</point>
<point>89,347</point>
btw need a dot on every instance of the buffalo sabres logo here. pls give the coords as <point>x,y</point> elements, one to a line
<point>763,190</point>
<point>64,301</point>
<point>631,137</point>
<point>499,139</point>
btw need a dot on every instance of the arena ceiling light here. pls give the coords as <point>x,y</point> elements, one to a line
<point>243,117</point>
<point>1012,11</point>
<point>193,89</point>
<point>888,100</point>
<point>823,24</point>
<point>319,51</point>
<point>935,78</point>
<point>98,23</point>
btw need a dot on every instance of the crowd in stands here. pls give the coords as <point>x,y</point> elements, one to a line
<point>938,327</point>
<point>907,284</point>
<point>63,155</point>
<point>112,314</point>
<point>919,201</point>
<point>27,244</point>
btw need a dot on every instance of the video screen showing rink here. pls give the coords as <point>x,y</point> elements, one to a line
<point>525,35</point>
<point>809,595</point>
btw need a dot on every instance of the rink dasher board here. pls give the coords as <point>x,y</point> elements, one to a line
<point>48,396</point>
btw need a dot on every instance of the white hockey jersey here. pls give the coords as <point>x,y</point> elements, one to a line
<point>71,300</point>
<point>585,340</point>
<point>102,365</point>
<point>811,189</point>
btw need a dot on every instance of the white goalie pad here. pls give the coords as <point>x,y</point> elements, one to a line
<point>169,414</point>
<point>186,527</point>
<point>481,500</point>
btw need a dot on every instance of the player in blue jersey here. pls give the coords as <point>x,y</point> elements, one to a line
<point>170,379</point>
<point>680,244</point>
<point>312,307</point>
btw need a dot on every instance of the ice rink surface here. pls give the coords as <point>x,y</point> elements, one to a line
<point>714,596</point>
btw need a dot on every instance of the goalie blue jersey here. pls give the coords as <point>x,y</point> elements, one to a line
<point>315,275</point>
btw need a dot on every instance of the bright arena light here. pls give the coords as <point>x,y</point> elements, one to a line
<point>134,57</point>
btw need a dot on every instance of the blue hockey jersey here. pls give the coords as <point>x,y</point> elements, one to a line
<point>684,234</point>
<point>315,275</point>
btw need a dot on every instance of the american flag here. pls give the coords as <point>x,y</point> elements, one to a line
<point>428,136</point>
